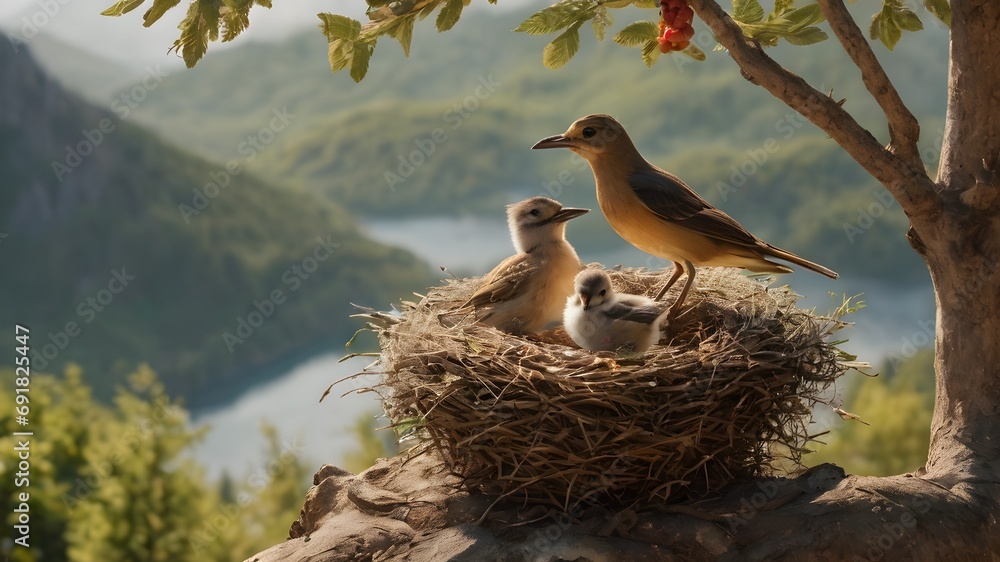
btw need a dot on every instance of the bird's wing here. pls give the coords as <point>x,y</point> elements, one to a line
<point>672,200</point>
<point>507,281</point>
<point>643,314</point>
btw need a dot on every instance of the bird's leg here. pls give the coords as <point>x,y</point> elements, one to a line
<point>678,269</point>
<point>676,307</point>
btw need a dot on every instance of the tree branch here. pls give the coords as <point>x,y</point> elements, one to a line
<point>904,131</point>
<point>913,189</point>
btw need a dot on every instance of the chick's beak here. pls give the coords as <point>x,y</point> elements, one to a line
<point>555,141</point>
<point>586,302</point>
<point>567,213</point>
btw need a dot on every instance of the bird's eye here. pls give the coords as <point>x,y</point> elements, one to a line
<point>535,212</point>
<point>589,132</point>
<point>604,292</point>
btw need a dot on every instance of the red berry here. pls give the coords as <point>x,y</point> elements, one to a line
<point>672,35</point>
<point>670,17</point>
<point>687,32</point>
<point>685,14</point>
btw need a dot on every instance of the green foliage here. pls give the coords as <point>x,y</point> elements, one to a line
<point>897,405</point>
<point>117,483</point>
<point>795,25</point>
<point>888,24</point>
<point>142,499</point>
<point>200,25</point>
<point>562,48</point>
<point>351,44</point>
<point>941,10</point>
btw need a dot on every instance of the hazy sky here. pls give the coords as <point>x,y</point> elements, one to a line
<point>123,39</point>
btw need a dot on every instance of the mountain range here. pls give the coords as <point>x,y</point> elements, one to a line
<point>122,248</point>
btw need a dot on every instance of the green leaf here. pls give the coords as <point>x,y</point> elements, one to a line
<point>886,30</point>
<point>941,9</point>
<point>339,27</point>
<point>797,26</point>
<point>199,26</point>
<point>562,48</point>
<point>449,14</point>
<point>747,11</point>
<point>907,20</point>
<point>340,53</point>
<point>807,36</point>
<point>805,16</point>
<point>122,7</point>
<point>694,52</point>
<point>359,62</point>
<point>602,19</point>
<point>156,12</point>
<point>558,16</point>
<point>650,52</point>
<point>780,7</point>
<point>404,33</point>
<point>637,34</point>
<point>426,10</point>
<point>235,22</point>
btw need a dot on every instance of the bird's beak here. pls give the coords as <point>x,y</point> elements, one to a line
<point>556,141</point>
<point>586,302</point>
<point>567,213</point>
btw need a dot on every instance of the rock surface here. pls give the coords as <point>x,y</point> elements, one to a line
<point>414,510</point>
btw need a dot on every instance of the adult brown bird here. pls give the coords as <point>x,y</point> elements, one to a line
<point>527,291</point>
<point>658,213</point>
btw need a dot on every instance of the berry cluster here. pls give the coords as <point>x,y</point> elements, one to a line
<point>675,25</point>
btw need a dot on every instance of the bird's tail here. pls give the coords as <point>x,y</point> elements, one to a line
<point>776,252</point>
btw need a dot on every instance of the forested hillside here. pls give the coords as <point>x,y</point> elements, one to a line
<point>116,259</point>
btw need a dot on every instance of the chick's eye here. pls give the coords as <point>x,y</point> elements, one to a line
<point>535,212</point>
<point>604,292</point>
<point>589,132</point>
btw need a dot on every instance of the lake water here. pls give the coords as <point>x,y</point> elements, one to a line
<point>290,401</point>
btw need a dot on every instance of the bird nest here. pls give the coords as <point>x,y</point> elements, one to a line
<point>727,394</point>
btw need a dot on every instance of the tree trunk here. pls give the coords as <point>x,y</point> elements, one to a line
<point>964,261</point>
<point>962,249</point>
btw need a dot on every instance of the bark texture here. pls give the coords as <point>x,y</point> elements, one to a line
<point>416,511</point>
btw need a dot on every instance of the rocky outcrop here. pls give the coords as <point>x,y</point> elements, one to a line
<point>414,510</point>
